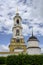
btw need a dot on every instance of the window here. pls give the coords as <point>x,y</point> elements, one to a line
<point>17,32</point>
<point>17,40</point>
<point>17,21</point>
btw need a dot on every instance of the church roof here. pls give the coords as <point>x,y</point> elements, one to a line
<point>33,38</point>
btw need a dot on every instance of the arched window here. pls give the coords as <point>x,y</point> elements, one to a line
<point>17,40</point>
<point>17,21</point>
<point>17,32</point>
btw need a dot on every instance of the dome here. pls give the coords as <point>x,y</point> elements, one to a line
<point>33,38</point>
<point>17,15</point>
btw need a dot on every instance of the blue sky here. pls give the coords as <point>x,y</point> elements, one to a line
<point>31,12</point>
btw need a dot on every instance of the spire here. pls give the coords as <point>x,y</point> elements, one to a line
<point>17,10</point>
<point>32,32</point>
<point>17,13</point>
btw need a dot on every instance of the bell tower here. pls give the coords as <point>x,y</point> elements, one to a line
<point>17,41</point>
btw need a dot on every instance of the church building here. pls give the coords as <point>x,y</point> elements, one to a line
<point>17,43</point>
<point>33,45</point>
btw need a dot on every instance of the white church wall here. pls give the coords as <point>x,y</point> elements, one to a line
<point>34,51</point>
<point>33,44</point>
<point>18,50</point>
<point>14,32</point>
<point>16,20</point>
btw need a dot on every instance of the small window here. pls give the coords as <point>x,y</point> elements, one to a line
<point>17,32</point>
<point>17,40</point>
<point>17,21</point>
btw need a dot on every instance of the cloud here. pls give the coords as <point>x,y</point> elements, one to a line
<point>25,29</point>
<point>32,10</point>
<point>41,48</point>
<point>4,48</point>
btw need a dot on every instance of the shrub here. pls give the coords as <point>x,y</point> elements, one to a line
<point>25,60</point>
<point>2,60</point>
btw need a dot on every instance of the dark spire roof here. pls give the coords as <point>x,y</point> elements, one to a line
<point>32,32</point>
<point>33,38</point>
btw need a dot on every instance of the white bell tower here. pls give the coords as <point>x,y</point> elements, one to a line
<point>17,41</point>
<point>17,28</point>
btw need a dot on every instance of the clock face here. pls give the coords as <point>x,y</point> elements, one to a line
<point>17,21</point>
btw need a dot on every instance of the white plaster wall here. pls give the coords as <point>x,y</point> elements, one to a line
<point>33,44</point>
<point>16,20</point>
<point>18,50</point>
<point>14,32</point>
<point>18,37</point>
<point>33,51</point>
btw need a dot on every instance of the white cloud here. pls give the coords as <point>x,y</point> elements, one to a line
<point>25,29</point>
<point>41,48</point>
<point>30,10</point>
<point>4,48</point>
